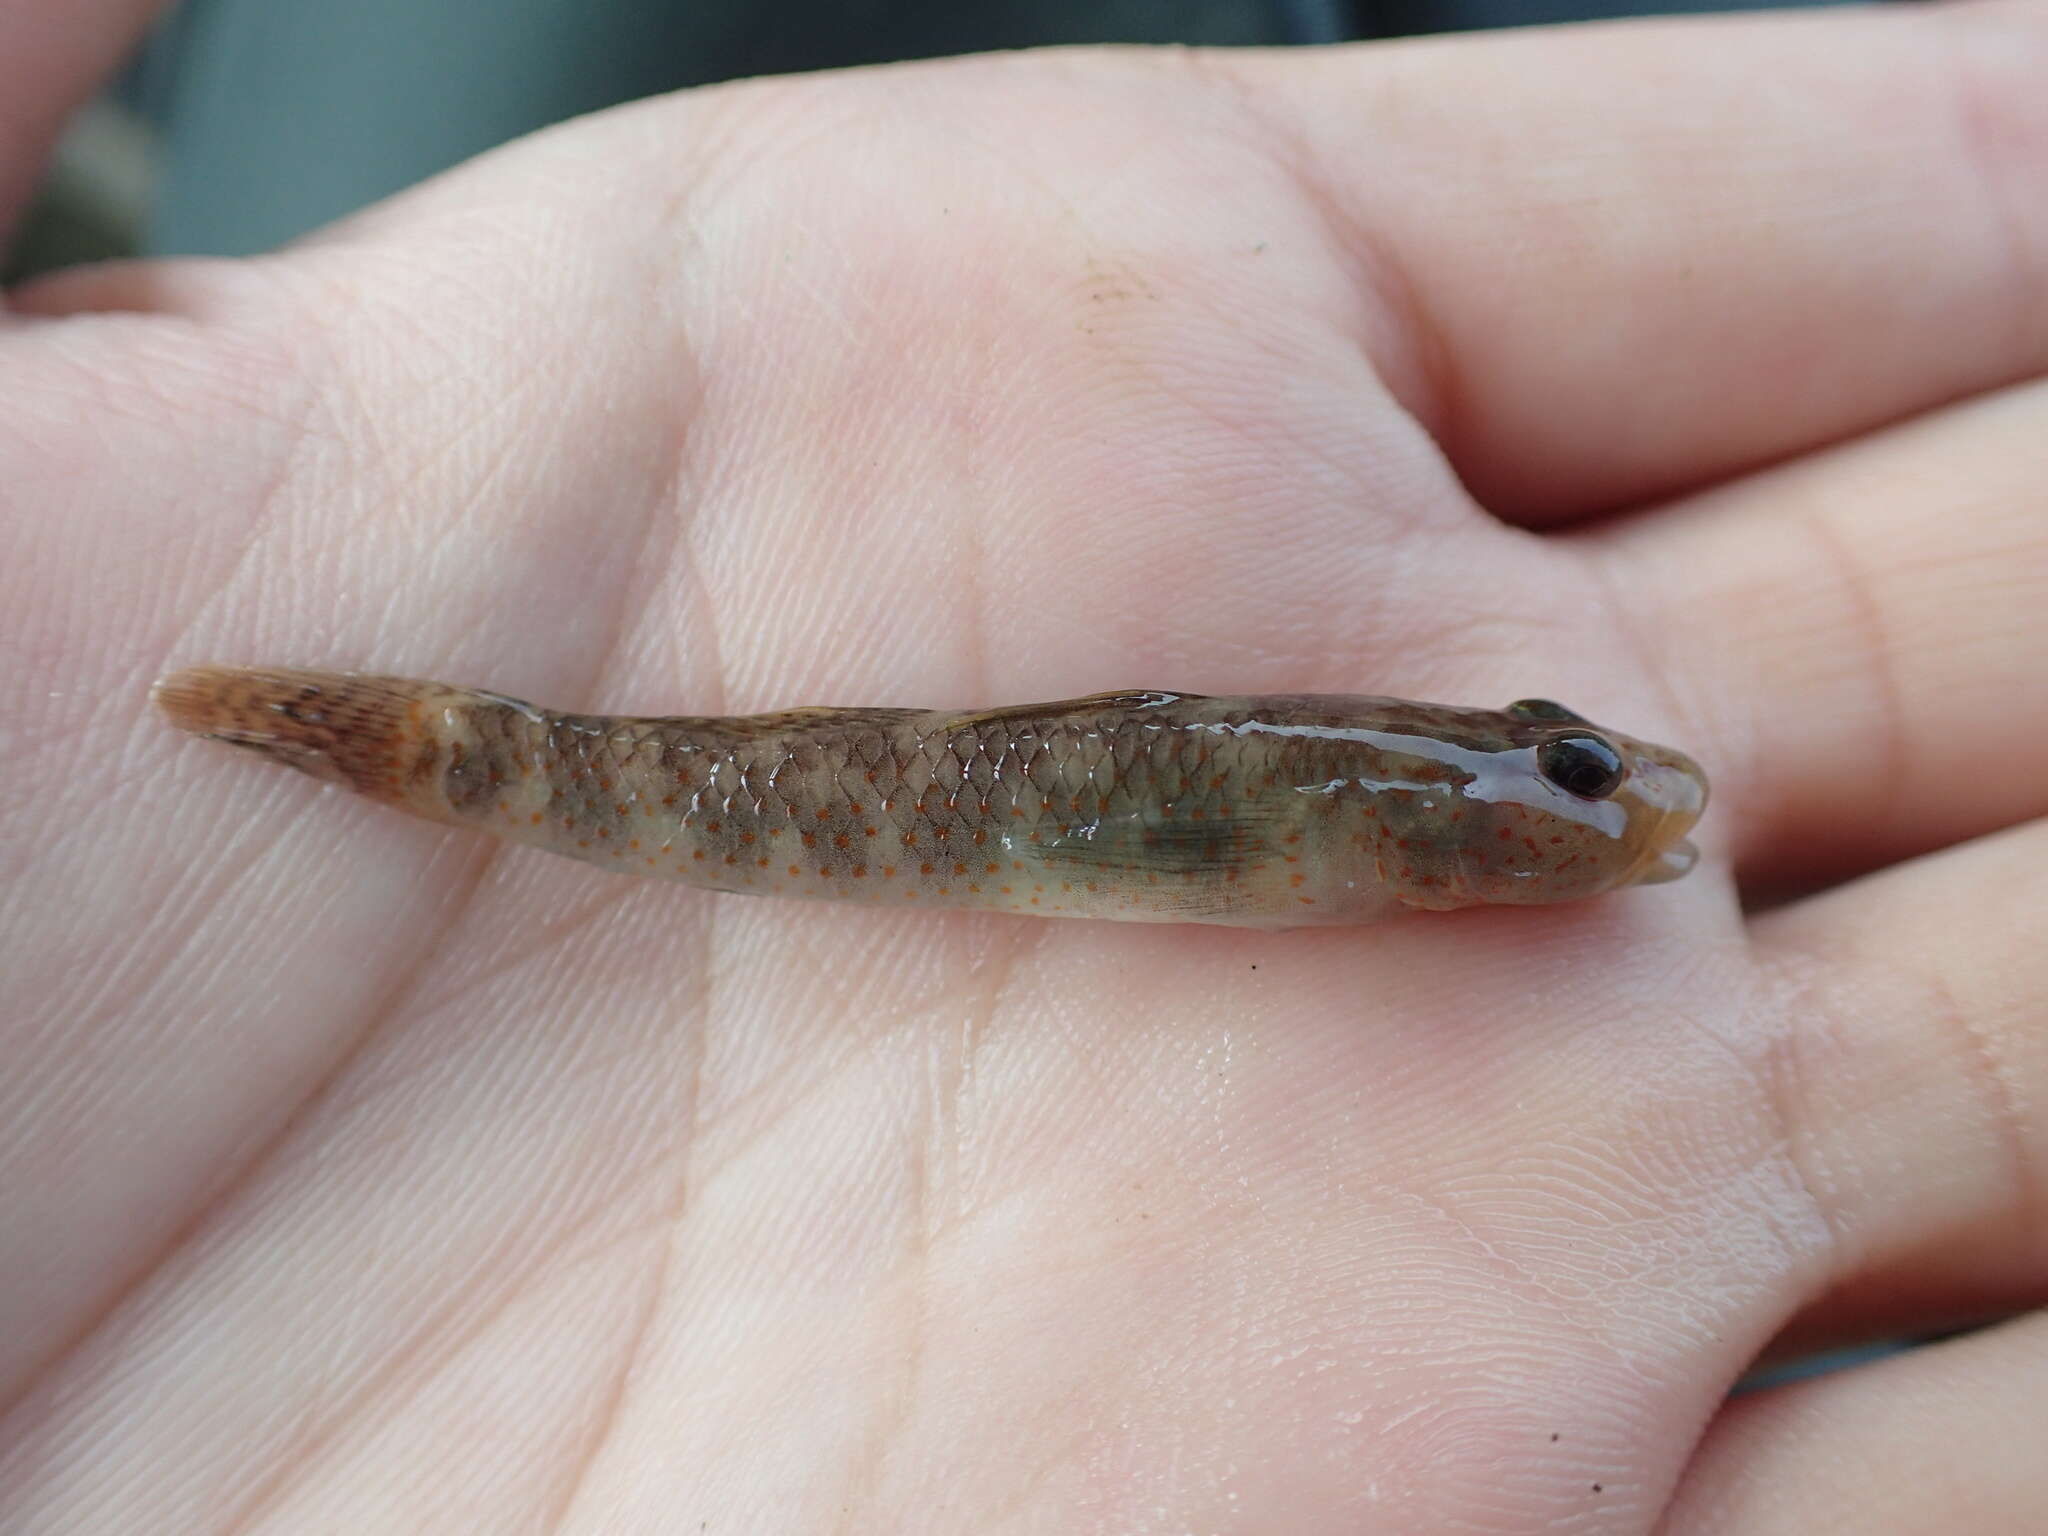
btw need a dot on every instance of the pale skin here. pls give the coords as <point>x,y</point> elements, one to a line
<point>359,1175</point>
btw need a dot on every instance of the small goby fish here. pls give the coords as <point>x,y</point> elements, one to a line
<point>1274,811</point>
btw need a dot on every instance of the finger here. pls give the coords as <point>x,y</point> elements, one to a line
<point>1636,258</point>
<point>1911,1074</point>
<point>1944,1438</point>
<point>54,51</point>
<point>1861,636</point>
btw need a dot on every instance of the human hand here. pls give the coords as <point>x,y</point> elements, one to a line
<point>358,1176</point>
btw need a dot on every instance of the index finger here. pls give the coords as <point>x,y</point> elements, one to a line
<point>1636,258</point>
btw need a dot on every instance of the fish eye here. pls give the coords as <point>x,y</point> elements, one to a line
<point>1584,766</point>
<point>1544,709</point>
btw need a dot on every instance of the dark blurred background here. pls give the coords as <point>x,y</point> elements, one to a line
<point>242,123</point>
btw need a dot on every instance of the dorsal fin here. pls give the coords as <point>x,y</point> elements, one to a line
<point>1088,704</point>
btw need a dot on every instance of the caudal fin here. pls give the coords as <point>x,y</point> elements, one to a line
<point>365,732</point>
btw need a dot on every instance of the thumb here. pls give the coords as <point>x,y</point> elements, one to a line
<point>52,52</point>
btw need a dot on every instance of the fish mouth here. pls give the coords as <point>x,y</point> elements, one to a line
<point>1678,789</point>
<point>1670,864</point>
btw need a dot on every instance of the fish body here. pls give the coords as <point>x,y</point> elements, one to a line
<point>1262,811</point>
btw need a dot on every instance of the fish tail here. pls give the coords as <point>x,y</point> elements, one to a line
<point>372,734</point>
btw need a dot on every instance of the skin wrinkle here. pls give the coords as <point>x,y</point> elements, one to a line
<point>799,1093</point>
<point>674,522</point>
<point>1874,645</point>
<point>254,538</point>
<point>550,937</point>
<point>434,1325</point>
<point>1565,1323</point>
<point>1984,1066</point>
<point>1653,668</point>
<point>1420,376</point>
<point>349,1411</point>
<point>1979,139</point>
<point>238,1181</point>
<point>1787,1084</point>
<point>235,1180</point>
<point>1804,1014</point>
<point>83,1012</point>
<point>892,1410</point>
<point>867,1460</point>
<point>583,1464</point>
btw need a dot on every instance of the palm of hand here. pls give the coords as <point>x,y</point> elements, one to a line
<point>373,1154</point>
